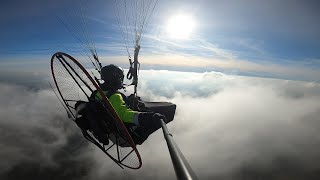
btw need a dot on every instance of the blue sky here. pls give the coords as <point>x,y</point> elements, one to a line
<point>242,136</point>
<point>257,38</point>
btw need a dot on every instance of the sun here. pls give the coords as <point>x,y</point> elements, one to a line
<point>180,26</point>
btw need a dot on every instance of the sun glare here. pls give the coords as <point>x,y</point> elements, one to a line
<point>180,26</point>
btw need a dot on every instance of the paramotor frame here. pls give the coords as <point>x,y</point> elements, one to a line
<point>75,84</point>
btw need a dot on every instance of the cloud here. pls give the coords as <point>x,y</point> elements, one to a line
<point>247,127</point>
<point>37,140</point>
<point>228,127</point>
<point>259,68</point>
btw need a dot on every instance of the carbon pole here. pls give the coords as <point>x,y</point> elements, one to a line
<point>135,74</point>
<point>181,166</point>
<point>135,67</point>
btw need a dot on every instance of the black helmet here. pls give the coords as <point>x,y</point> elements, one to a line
<point>112,76</point>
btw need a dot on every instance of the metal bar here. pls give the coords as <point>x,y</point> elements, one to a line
<point>63,104</point>
<point>181,166</point>
<point>117,147</point>
<point>71,100</point>
<point>85,83</point>
<point>64,61</point>
<point>127,155</point>
<point>110,147</point>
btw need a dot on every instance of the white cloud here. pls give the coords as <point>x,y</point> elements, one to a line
<point>231,66</point>
<point>36,137</point>
<point>225,126</point>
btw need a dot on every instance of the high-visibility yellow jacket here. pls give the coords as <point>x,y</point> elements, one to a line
<point>126,114</point>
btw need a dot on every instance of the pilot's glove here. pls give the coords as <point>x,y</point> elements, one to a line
<point>151,120</point>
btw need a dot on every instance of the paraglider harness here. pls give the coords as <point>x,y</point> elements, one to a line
<point>99,120</point>
<point>95,118</point>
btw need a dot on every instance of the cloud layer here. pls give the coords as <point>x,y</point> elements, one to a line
<point>228,127</point>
